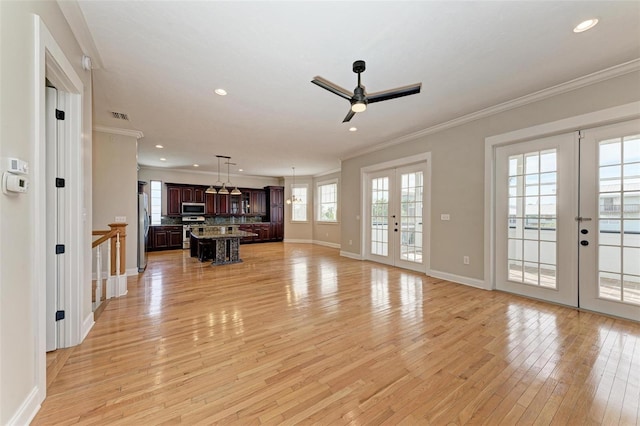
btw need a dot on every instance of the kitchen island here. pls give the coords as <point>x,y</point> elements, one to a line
<point>217,243</point>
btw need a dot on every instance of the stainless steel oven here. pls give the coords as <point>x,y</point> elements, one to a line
<point>186,236</point>
<point>188,223</point>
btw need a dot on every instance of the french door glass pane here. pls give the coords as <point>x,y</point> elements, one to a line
<point>619,219</point>
<point>411,216</point>
<point>379,216</point>
<point>532,210</point>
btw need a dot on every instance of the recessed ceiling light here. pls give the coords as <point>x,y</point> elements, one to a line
<point>163,159</point>
<point>353,129</point>
<point>196,165</point>
<point>159,146</point>
<point>241,170</point>
<point>221,92</point>
<point>585,25</point>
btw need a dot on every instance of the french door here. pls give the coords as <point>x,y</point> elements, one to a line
<point>568,219</point>
<point>395,227</point>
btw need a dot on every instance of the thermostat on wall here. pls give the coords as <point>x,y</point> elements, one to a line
<point>16,165</point>
<point>14,183</point>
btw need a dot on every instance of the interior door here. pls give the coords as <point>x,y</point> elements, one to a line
<point>395,224</point>
<point>536,206</point>
<point>55,226</point>
<point>610,220</point>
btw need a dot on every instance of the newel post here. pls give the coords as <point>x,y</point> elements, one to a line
<point>123,248</point>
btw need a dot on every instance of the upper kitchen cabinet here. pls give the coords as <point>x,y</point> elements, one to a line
<point>252,201</point>
<point>199,194</point>
<point>174,199</point>
<point>258,203</point>
<point>235,204</point>
<point>180,193</point>
<point>187,195</point>
<point>222,204</point>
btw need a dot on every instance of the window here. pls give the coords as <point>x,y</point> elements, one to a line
<point>327,210</point>
<point>156,202</point>
<point>299,203</point>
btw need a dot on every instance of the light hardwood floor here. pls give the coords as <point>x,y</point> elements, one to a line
<point>298,334</point>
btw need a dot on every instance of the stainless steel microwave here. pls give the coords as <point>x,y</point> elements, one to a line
<point>193,209</point>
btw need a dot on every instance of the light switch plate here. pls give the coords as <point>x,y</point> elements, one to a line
<point>445,216</point>
<point>121,219</point>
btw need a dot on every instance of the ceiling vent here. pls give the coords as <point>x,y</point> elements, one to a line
<point>120,115</point>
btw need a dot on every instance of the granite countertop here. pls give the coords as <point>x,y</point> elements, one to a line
<point>214,232</point>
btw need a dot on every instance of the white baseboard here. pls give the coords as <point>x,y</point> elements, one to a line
<point>28,409</point>
<point>128,272</point>
<point>473,282</point>
<point>289,240</point>
<point>87,325</point>
<point>326,244</point>
<point>351,255</point>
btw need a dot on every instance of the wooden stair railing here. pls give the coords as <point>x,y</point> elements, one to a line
<point>115,282</point>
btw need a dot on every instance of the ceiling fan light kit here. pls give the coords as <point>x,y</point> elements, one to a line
<point>359,98</point>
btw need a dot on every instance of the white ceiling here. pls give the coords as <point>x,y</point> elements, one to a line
<point>161,61</point>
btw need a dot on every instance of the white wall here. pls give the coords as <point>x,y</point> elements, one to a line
<point>20,385</point>
<point>458,172</point>
<point>115,184</point>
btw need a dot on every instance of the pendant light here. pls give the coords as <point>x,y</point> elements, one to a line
<point>223,190</point>
<point>211,189</point>
<point>293,198</point>
<point>235,191</point>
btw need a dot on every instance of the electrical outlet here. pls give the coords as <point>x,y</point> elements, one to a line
<point>121,219</point>
<point>445,216</point>
<point>350,242</point>
<point>465,260</point>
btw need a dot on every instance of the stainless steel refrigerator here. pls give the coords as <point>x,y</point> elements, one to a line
<point>143,230</point>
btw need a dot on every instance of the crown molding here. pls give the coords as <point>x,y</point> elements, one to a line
<point>75,18</point>
<point>116,131</point>
<point>328,172</point>
<point>205,172</point>
<point>568,86</point>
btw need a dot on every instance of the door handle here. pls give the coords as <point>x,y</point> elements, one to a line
<point>584,242</point>
<point>582,219</point>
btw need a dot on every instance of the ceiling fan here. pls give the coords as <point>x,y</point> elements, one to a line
<point>359,98</point>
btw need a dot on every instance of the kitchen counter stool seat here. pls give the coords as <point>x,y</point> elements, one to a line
<point>206,249</point>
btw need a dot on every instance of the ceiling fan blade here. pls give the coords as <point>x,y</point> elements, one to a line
<point>394,93</point>
<point>349,116</point>
<point>333,88</point>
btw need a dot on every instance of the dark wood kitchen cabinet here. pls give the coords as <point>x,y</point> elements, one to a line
<point>210,201</point>
<point>174,199</point>
<point>165,237</point>
<point>258,203</point>
<point>263,231</point>
<point>275,211</point>
<point>187,195</point>
<point>198,194</point>
<point>222,204</point>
